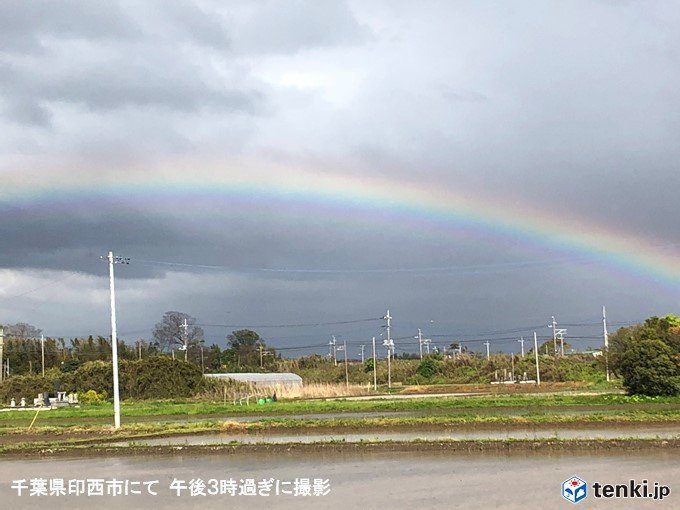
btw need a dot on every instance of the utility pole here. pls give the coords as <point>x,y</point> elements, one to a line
<point>375,368</point>
<point>521,341</point>
<point>558,333</point>
<point>388,325</point>
<point>538,374</point>
<point>512,366</point>
<point>344,348</point>
<point>42,353</point>
<point>362,354</point>
<point>202,359</point>
<point>261,357</point>
<point>423,341</point>
<point>332,351</point>
<point>186,339</point>
<point>2,345</point>
<point>487,350</point>
<point>554,332</point>
<point>114,338</point>
<point>389,344</point>
<point>606,341</point>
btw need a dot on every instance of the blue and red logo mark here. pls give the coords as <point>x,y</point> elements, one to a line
<point>574,489</point>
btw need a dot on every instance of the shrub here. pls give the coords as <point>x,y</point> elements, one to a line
<point>160,377</point>
<point>23,386</point>
<point>92,397</point>
<point>427,368</point>
<point>648,369</point>
<point>93,375</point>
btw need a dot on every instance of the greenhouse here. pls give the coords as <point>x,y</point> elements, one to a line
<point>262,380</point>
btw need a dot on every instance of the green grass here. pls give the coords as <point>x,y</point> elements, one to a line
<point>175,408</point>
<point>134,433</point>
<point>493,407</point>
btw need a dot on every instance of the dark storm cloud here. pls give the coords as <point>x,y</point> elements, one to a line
<point>571,108</point>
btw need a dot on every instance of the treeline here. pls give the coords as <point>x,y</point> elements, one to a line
<point>157,377</point>
<point>245,352</point>
<point>467,368</point>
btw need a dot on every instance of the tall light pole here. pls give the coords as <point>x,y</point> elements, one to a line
<point>420,342</point>
<point>114,339</point>
<point>521,341</point>
<point>487,350</point>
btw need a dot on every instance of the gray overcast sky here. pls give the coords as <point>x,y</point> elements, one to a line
<point>569,108</point>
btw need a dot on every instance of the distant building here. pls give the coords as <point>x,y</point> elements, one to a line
<point>268,380</point>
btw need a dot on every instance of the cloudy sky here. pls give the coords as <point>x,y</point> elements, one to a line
<point>128,126</point>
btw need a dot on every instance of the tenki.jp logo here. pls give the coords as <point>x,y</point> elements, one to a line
<point>574,489</point>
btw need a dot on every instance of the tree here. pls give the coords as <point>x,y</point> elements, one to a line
<point>22,331</point>
<point>663,329</point>
<point>648,369</point>
<point>244,349</point>
<point>170,332</point>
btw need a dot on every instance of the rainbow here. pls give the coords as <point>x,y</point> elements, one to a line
<point>424,208</point>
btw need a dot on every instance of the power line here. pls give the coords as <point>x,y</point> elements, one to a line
<point>433,269</point>
<point>357,321</point>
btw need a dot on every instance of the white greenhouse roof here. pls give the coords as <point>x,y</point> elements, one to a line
<point>272,378</point>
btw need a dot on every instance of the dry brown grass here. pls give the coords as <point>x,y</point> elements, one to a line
<point>320,390</point>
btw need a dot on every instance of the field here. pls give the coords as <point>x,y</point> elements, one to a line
<point>91,425</point>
